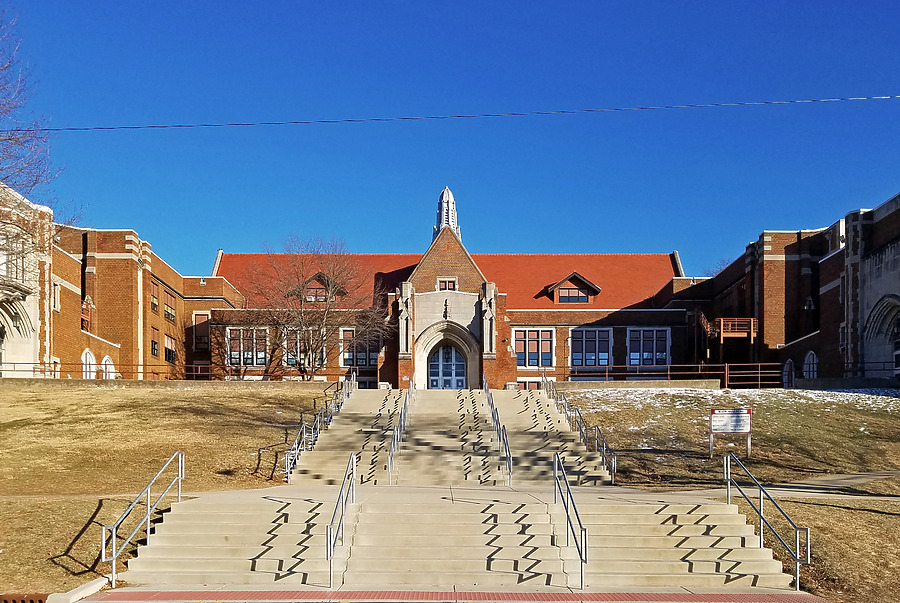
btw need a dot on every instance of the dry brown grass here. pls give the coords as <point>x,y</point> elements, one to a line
<point>71,459</point>
<point>855,547</point>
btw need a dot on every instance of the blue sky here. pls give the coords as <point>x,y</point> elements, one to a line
<point>702,181</point>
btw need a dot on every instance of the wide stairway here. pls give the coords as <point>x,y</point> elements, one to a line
<point>451,520</point>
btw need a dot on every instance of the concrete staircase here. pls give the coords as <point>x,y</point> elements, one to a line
<point>450,440</point>
<point>465,538</point>
<point>537,431</point>
<point>254,537</point>
<point>450,522</point>
<point>363,427</point>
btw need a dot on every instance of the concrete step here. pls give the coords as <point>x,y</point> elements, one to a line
<point>250,539</point>
<point>451,532</point>
<point>190,577</point>
<point>260,528</point>
<point>263,564</point>
<point>463,580</point>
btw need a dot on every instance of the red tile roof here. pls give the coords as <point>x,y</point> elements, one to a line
<point>625,280</point>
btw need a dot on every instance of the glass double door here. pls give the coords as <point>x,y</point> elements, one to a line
<point>446,369</point>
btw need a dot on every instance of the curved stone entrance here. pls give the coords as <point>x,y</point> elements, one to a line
<point>467,352</point>
<point>446,368</point>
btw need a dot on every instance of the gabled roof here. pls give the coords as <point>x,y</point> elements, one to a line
<point>569,278</point>
<point>627,280</point>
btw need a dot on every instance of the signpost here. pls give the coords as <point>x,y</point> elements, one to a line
<point>729,420</point>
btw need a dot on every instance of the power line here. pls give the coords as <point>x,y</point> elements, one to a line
<point>462,116</point>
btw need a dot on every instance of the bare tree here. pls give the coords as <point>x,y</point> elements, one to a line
<point>24,140</point>
<point>25,228</point>
<point>308,299</point>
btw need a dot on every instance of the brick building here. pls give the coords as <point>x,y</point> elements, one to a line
<point>89,303</point>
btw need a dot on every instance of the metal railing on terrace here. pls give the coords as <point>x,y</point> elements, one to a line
<point>748,375</point>
<point>168,371</point>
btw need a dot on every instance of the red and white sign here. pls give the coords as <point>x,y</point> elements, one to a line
<point>729,420</point>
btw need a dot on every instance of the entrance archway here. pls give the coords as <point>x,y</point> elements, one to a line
<point>448,333</point>
<point>446,368</point>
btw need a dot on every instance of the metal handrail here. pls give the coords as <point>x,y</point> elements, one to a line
<point>577,423</point>
<point>763,522</point>
<point>400,429</point>
<point>610,460</point>
<point>346,495</point>
<point>500,431</point>
<point>581,535</point>
<point>308,434</point>
<point>145,521</point>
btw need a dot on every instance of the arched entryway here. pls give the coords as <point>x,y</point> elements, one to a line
<point>446,368</point>
<point>464,350</point>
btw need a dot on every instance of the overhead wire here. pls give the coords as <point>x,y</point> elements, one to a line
<point>306,122</point>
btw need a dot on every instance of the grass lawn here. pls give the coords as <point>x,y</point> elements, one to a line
<point>72,459</point>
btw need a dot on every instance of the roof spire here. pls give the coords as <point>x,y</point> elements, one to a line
<point>446,214</point>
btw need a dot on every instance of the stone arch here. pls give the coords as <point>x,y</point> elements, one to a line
<point>884,318</point>
<point>448,332</point>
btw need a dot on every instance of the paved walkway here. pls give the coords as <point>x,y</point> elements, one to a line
<point>840,486</point>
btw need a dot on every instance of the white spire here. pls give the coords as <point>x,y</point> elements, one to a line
<point>446,214</point>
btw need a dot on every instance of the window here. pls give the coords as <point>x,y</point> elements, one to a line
<point>109,369</point>
<point>170,306</point>
<point>12,256</point>
<point>201,332</point>
<point>446,284</point>
<point>363,353</point>
<point>316,294</point>
<point>170,349</point>
<point>534,347</point>
<point>88,365</point>
<point>591,347</point>
<point>295,349</point>
<point>154,297</point>
<point>811,366</point>
<point>154,341</point>
<point>56,294</point>
<point>247,347</point>
<point>573,295</point>
<point>647,347</point>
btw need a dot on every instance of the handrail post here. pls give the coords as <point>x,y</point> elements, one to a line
<point>726,463</point>
<point>148,515</point>
<point>555,481</point>
<point>115,556</point>
<point>761,517</point>
<point>797,559</point>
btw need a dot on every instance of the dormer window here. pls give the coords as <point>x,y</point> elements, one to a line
<point>446,283</point>
<point>574,289</point>
<point>573,295</point>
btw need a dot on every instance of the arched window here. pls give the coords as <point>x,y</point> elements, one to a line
<point>109,369</point>
<point>811,366</point>
<point>88,365</point>
<point>787,375</point>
